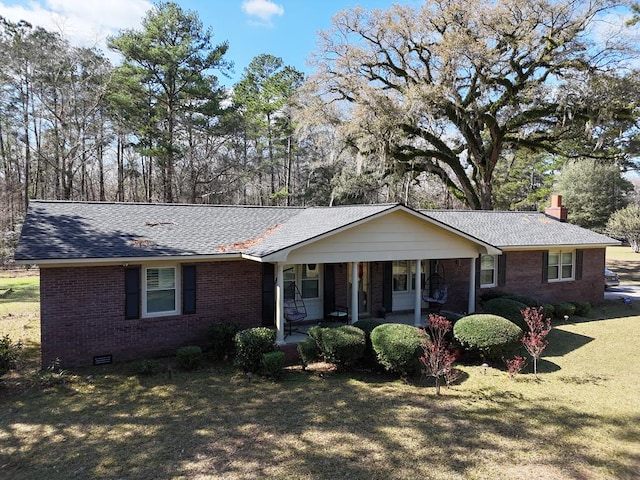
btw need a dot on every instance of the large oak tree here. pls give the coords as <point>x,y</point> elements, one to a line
<point>448,89</point>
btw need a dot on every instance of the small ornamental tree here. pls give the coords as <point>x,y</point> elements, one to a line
<point>534,340</point>
<point>625,224</point>
<point>437,359</point>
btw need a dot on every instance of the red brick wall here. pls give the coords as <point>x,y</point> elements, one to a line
<point>524,276</point>
<point>82,312</point>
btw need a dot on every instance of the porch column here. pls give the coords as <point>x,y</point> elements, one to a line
<point>471,306</point>
<point>417,311</point>
<point>279,301</point>
<point>354,292</point>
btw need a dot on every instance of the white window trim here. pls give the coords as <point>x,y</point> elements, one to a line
<point>573,266</point>
<point>297,273</point>
<point>495,272</point>
<point>176,310</point>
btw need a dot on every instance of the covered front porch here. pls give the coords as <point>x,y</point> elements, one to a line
<point>361,258</point>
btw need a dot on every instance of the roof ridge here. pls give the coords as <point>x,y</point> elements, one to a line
<point>164,204</point>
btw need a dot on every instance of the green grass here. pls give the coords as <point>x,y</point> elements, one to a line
<point>581,419</point>
<point>625,263</point>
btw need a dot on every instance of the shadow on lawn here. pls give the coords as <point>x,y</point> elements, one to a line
<point>219,423</point>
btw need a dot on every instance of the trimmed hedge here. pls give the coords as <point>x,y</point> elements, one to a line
<point>221,339</point>
<point>489,334</point>
<point>251,344</point>
<point>508,308</point>
<point>398,347</point>
<point>527,300</point>
<point>582,308</point>
<point>343,345</point>
<point>273,364</point>
<point>189,358</point>
<point>308,351</point>
<point>562,309</point>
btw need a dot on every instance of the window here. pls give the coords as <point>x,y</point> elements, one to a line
<point>400,276</point>
<point>488,265</point>
<point>310,281</point>
<point>305,277</point>
<point>160,291</point>
<point>560,265</point>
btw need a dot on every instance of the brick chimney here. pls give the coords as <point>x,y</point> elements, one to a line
<point>556,209</point>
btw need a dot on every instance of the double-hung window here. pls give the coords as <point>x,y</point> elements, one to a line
<point>560,265</point>
<point>400,276</point>
<point>160,291</point>
<point>488,271</point>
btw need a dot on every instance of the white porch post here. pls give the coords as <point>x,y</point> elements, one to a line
<point>417,312</point>
<point>471,307</point>
<point>279,301</point>
<point>354,292</point>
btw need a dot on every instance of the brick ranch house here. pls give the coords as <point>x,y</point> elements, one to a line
<point>123,281</point>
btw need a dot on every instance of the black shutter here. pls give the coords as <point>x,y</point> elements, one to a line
<point>329,288</point>
<point>132,293</point>
<point>387,286</point>
<point>502,269</point>
<point>478,270</point>
<point>188,289</point>
<point>268,295</point>
<point>579,258</point>
<point>545,266</point>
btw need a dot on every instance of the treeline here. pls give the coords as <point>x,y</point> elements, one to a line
<point>435,106</point>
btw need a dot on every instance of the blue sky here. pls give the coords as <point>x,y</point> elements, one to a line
<point>284,28</point>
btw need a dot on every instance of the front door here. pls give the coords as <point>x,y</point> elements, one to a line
<point>364,287</point>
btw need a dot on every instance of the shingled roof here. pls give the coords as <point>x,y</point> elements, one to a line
<point>55,230</point>
<point>511,230</point>
<point>81,231</point>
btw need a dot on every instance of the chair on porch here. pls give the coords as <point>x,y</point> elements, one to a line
<point>437,294</point>
<point>294,308</point>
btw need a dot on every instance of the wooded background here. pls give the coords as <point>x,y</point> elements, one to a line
<point>438,106</point>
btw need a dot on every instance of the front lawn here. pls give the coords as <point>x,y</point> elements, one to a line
<point>580,420</point>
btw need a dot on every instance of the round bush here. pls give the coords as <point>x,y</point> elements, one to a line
<point>582,308</point>
<point>189,358</point>
<point>273,364</point>
<point>308,351</point>
<point>507,308</point>
<point>489,334</point>
<point>528,301</point>
<point>562,309</point>
<point>344,345</point>
<point>221,337</point>
<point>251,344</point>
<point>398,347</point>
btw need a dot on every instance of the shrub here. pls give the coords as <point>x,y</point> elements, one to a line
<point>251,344</point>
<point>507,308</point>
<point>398,347</point>
<point>221,339</point>
<point>514,365</point>
<point>489,334</point>
<point>367,326</point>
<point>562,309</point>
<point>146,367</point>
<point>189,358</point>
<point>315,332</point>
<point>309,351</point>
<point>9,354</point>
<point>343,345</point>
<point>528,301</point>
<point>491,294</point>
<point>273,364</point>
<point>582,308</point>
<point>548,309</point>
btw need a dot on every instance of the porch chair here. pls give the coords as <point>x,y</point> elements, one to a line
<point>295,310</point>
<point>437,294</point>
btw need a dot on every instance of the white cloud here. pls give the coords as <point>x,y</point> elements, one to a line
<point>264,10</point>
<point>85,23</point>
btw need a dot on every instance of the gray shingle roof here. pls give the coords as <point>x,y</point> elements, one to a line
<point>90,230</point>
<point>85,230</point>
<point>519,229</point>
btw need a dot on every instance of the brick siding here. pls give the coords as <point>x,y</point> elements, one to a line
<point>82,312</point>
